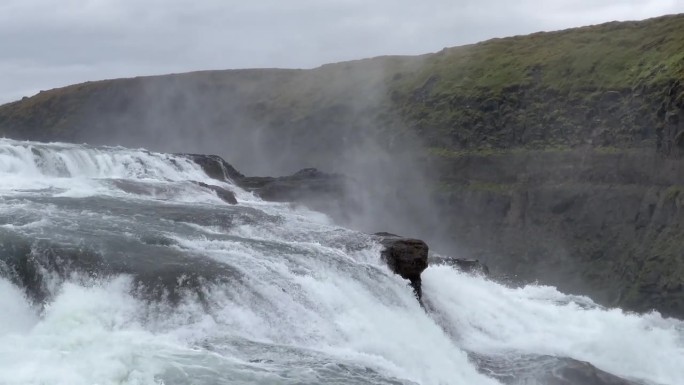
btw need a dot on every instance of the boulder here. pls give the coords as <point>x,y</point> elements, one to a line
<point>463,264</point>
<point>406,257</point>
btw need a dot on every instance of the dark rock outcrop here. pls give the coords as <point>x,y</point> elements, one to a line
<point>215,167</point>
<point>670,132</point>
<point>406,257</point>
<point>328,193</point>
<point>223,193</point>
<point>305,186</point>
<point>463,264</point>
<point>311,187</point>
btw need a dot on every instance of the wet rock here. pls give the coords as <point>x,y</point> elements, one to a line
<point>317,190</point>
<point>463,264</point>
<point>311,187</point>
<point>304,186</point>
<point>406,257</point>
<point>215,167</point>
<point>223,193</point>
<point>301,186</point>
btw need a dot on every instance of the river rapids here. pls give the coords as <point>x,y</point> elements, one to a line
<point>117,268</point>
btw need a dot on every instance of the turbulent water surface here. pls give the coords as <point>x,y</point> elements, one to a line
<point>116,268</point>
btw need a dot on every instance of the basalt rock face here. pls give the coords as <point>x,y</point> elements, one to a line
<point>605,223</point>
<point>671,113</point>
<point>406,257</point>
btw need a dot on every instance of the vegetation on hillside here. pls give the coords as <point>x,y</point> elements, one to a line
<point>600,85</point>
<point>611,56</point>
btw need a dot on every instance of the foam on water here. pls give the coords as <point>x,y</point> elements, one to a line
<point>88,335</point>
<point>309,302</point>
<point>490,318</point>
<point>313,302</point>
<point>17,316</point>
<point>101,334</point>
<point>341,303</point>
<point>63,169</point>
<point>34,160</point>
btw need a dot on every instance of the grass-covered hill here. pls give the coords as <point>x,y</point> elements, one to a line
<point>553,156</point>
<point>609,84</point>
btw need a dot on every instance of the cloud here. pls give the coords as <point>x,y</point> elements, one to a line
<point>45,46</point>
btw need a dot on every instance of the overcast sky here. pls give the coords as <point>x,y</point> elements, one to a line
<point>49,43</point>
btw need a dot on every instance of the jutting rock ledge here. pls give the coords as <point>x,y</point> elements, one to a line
<point>406,257</point>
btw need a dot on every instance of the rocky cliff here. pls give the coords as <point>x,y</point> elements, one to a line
<point>552,157</point>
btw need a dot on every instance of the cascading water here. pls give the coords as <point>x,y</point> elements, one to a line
<point>117,269</point>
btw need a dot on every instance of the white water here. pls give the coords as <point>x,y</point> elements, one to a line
<point>314,304</point>
<point>490,318</point>
<point>71,170</point>
<point>35,161</point>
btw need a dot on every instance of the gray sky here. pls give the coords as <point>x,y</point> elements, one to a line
<point>49,43</point>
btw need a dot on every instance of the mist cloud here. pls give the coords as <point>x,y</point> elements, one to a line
<point>46,44</point>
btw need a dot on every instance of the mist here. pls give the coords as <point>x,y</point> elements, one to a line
<point>276,122</point>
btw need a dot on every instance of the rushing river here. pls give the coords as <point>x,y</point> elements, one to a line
<point>116,268</point>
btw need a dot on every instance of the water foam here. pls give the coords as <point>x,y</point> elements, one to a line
<point>86,336</point>
<point>490,318</point>
<point>63,169</point>
<point>312,302</point>
<point>344,303</point>
<point>32,159</point>
<point>17,316</point>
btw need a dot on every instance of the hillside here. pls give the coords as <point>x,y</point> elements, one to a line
<point>585,85</point>
<point>552,156</point>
